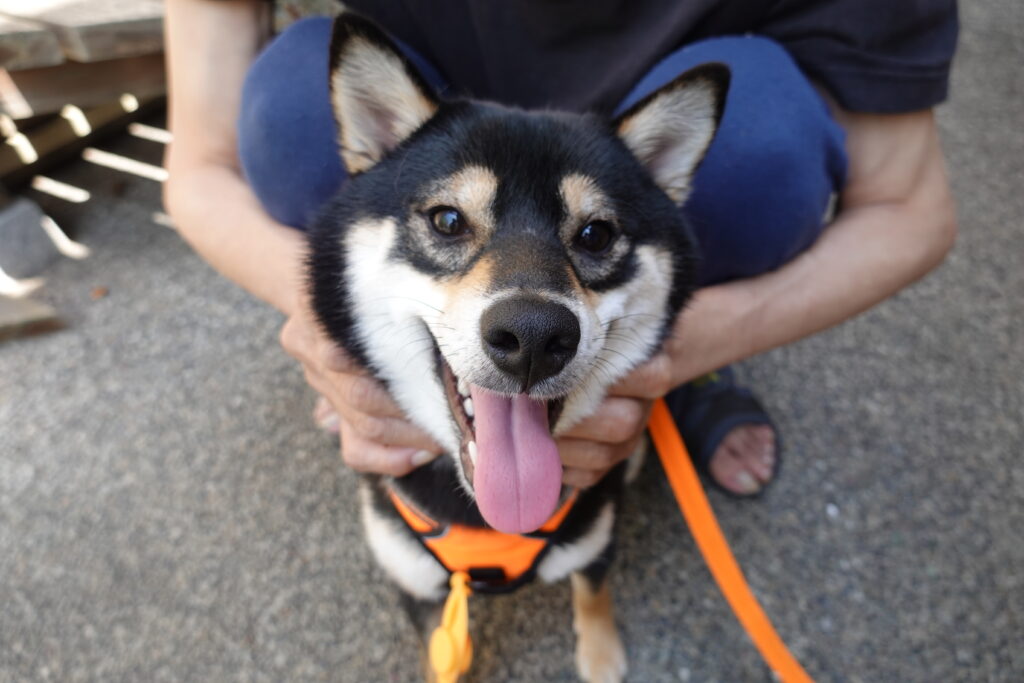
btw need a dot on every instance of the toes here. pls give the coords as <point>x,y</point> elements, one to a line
<point>745,460</point>
<point>754,446</point>
<point>730,472</point>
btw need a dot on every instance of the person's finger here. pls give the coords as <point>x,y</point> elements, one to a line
<point>304,341</point>
<point>651,380</point>
<point>364,395</point>
<point>580,478</point>
<point>336,359</point>
<point>297,340</point>
<point>382,430</point>
<point>325,416</point>
<point>349,394</point>
<point>366,456</point>
<point>616,420</point>
<point>589,455</point>
<point>389,431</point>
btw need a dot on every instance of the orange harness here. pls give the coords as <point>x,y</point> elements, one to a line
<point>516,557</point>
<point>494,561</point>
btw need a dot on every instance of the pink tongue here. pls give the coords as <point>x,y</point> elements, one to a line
<point>518,473</point>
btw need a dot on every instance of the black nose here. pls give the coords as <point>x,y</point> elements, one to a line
<point>530,338</point>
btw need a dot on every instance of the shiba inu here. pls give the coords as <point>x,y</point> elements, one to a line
<point>498,270</point>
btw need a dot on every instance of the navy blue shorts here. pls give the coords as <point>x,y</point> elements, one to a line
<point>759,197</point>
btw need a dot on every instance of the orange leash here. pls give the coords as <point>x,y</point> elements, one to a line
<point>697,510</point>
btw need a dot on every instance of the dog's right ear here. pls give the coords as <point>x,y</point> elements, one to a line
<point>378,98</point>
<point>669,131</point>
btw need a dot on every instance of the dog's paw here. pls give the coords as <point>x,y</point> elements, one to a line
<point>600,656</point>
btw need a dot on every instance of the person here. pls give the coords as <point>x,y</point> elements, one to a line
<point>831,104</point>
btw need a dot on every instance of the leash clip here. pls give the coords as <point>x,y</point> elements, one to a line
<point>451,650</point>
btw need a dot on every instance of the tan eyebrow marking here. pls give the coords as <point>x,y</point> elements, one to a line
<point>471,190</point>
<point>583,201</point>
<point>582,197</point>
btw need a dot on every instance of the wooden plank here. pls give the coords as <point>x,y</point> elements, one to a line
<point>24,45</point>
<point>53,143</point>
<point>30,92</point>
<point>21,317</point>
<point>94,30</point>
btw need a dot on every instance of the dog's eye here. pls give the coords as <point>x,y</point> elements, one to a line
<point>595,237</point>
<point>448,221</point>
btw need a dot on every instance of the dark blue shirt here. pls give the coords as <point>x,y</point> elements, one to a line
<point>880,56</point>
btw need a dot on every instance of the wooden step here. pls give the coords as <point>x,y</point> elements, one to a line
<point>31,92</point>
<point>21,317</point>
<point>25,45</point>
<point>95,30</point>
<point>28,154</point>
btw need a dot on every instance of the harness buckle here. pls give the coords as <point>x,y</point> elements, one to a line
<point>494,580</point>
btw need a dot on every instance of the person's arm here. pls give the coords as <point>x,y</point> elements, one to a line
<point>897,221</point>
<point>210,45</point>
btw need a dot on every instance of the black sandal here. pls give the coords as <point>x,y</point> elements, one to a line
<point>707,409</point>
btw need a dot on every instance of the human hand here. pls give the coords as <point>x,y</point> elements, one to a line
<point>375,434</point>
<point>603,440</point>
<point>613,433</point>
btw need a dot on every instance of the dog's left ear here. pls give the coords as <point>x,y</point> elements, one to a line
<point>670,130</point>
<point>378,98</point>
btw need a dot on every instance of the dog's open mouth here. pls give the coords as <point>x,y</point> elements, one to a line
<point>507,452</point>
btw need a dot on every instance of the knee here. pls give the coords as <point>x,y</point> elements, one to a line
<point>759,200</point>
<point>765,210</point>
<point>283,79</point>
<point>286,130</point>
<point>767,180</point>
<point>280,68</point>
<point>775,123</point>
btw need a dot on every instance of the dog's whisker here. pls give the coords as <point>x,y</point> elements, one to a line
<point>618,353</point>
<point>406,298</point>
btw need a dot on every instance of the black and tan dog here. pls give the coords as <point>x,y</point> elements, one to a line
<point>498,270</point>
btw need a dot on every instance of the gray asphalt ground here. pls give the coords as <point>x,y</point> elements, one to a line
<point>168,512</point>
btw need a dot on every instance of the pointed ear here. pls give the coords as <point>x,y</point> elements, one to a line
<point>670,130</point>
<point>378,98</point>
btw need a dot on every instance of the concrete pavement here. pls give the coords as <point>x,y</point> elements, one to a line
<point>168,512</point>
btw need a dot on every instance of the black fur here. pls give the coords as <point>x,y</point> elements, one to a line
<point>597,571</point>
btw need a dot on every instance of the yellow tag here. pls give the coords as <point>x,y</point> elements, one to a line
<point>451,650</point>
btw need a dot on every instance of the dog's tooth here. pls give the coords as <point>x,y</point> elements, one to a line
<point>463,387</point>
<point>467,405</point>
<point>471,447</point>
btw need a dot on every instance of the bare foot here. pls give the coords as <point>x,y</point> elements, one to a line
<point>745,460</point>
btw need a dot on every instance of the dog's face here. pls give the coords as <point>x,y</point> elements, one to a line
<point>499,269</point>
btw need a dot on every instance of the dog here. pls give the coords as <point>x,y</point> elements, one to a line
<point>498,270</point>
